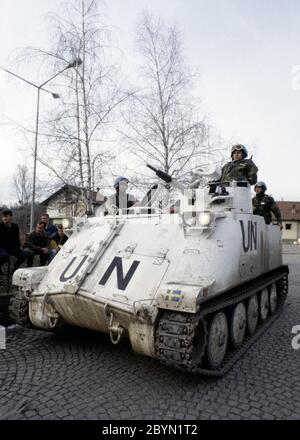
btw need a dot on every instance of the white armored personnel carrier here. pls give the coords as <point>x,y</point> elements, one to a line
<point>193,289</point>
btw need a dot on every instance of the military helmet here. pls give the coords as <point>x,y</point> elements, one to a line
<point>262,185</point>
<point>239,147</point>
<point>120,179</point>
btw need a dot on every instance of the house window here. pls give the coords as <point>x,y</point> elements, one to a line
<point>288,226</point>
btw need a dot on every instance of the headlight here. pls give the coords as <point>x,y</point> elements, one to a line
<point>190,221</point>
<point>205,218</point>
<point>67,223</point>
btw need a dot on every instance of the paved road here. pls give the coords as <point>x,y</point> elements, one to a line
<point>82,376</point>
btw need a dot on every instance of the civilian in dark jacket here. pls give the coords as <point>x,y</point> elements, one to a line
<point>60,238</point>
<point>51,230</point>
<point>38,243</point>
<point>10,241</point>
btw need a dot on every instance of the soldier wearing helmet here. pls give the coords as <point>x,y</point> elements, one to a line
<point>265,205</point>
<point>121,200</point>
<point>239,168</point>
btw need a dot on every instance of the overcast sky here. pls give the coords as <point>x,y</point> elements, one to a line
<point>247,53</point>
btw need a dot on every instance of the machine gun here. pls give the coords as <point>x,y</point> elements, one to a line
<point>167,178</point>
<point>161,174</point>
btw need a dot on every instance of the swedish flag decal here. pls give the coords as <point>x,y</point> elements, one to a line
<point>173,295</point>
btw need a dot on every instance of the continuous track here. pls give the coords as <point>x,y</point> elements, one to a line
<point>19,309</point>
<point>181,338</point>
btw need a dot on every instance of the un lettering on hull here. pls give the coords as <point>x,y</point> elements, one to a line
<point>75,260</point>
<point>125,279</point>
<point>249,235</point>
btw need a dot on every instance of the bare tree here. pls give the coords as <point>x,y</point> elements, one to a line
<point>23,182</point>
<point>94,92</point>
<point>163,121</point>
<point>78,135</point>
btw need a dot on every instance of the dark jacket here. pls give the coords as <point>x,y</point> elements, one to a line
<point>51,231</point>
<point>60,240</point>
<point>244,169</point>
<point>36,242</point>
<point>264,205</point>
<point>9,236</point>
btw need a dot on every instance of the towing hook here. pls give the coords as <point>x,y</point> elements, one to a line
<point>53,319</point>
<point>115,331</point>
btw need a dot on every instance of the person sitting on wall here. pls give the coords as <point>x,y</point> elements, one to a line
<point>59,239</point>
<point>50,229</point>
<point>10,241</point>
<point>39,244</point>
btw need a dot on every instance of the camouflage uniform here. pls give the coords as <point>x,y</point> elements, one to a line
<point>264,205</point>
<point>244,169</point>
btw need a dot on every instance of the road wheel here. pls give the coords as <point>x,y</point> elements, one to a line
<point>252,314</point>
<point>263,304</point>
<point>217,340</point>
<point>282,288</point>
<point>238,324</point>
<point>273,298</point>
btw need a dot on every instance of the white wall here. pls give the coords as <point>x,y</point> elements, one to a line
<point>290,234</point>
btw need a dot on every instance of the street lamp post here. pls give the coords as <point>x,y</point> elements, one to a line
<point>75,63</point>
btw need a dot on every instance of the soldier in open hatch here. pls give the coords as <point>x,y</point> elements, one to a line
<point>264,205</point>
<point>239,168</point>
<point>121,200</point>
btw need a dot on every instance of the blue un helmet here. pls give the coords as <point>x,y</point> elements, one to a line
<point>119,180</point>
<point>239,147</point>
<point>262,185</point>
